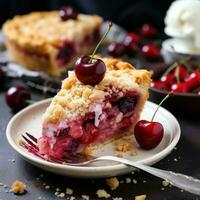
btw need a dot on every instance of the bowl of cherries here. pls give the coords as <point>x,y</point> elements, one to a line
<point>183,79</point>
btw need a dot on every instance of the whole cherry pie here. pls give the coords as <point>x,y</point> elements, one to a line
<point>51,41</point>
<point>82,116</point>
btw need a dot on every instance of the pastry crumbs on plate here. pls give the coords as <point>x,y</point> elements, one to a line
<point>85,197</point>
<point>102,194</point>
<point>113,182</point>
<point>119,154</point>
<point>133,153</point>
<point>18,187</point>
<point>141,197</point>
<point>61,195</point>
<point>165,183</point>
<point>128,180</point>
<point>69,191</point>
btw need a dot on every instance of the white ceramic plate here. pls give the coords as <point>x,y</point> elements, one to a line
<point>29,120</point>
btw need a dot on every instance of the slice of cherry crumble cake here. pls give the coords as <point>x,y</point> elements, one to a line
<point>81,116</point>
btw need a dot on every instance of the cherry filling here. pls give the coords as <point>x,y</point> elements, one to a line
<point>116,116</point>
<point>65,53</point>
<point>67,50</point>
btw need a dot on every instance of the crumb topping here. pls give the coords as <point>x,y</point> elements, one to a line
<point>18,187</point>
<point>74,98</point>
<point>49,28</point>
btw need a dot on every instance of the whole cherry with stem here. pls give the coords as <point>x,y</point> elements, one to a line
<point>90,70</point>
<point>149,133</point>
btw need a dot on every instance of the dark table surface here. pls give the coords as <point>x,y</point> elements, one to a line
<point>184,159</point>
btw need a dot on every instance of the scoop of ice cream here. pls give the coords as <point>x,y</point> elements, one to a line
<point>183,20</point>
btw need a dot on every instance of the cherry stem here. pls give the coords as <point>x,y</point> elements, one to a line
<point>104,36</point>
<point>166,97</point>
<point>29,102</point>
<point>177,75</point>
<point>182,61</point>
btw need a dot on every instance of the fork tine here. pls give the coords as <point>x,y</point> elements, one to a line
<point>29,142</point>
<point>32,149</point>
<point>31,137</point>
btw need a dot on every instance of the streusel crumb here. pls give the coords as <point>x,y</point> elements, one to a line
<point>133,153</point>
<point>113,182</point>
<point>85,197</point>
<point>102,194</point>
<point>165,183</point>
<point>18,187</point>
<point>123,147</point>
<point>69,191</point>
<point>119,154</point>
<point>141,197</point>
<point>88,151</point>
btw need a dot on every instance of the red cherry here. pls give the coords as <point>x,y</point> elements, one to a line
<point>148,30</point>
<point>68,12</point>
<point>132,37</point>
<point>151,51</point>
<point>181,72</point>
<point>193,80</point>
<point>131,45</point>
<point>168,79</point>
<point>90,72</point>
<point>148,134</point>
<point>16,97</point>
<point>179,88</point>
<point>159,85</point>
<point>116,49</point>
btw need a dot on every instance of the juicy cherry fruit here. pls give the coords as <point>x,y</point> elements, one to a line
<point>90,70</point>
<point>65,53</point>
<point>179,87</point>
<point>193,80</point>
<point>148,30</point>
<point>90,73</point>
<point>132,37</point>
<point>181,72</point>
<point>16,97</point>
<point>68,12</point>
<point>151,52</point>
<point>168,79</point>
<point>148,134</point>
<point>159,85</point>
<point>116,49</point>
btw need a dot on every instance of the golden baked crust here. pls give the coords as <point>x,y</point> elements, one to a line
<point>43,28</point>
<point>75,99</point>
<point>40,34</point>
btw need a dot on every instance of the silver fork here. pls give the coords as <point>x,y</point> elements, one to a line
<point>181,181</point>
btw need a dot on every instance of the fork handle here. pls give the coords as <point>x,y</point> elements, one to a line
<point>181,181</point>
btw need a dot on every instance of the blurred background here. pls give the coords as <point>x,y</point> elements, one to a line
<point>127,13</point>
